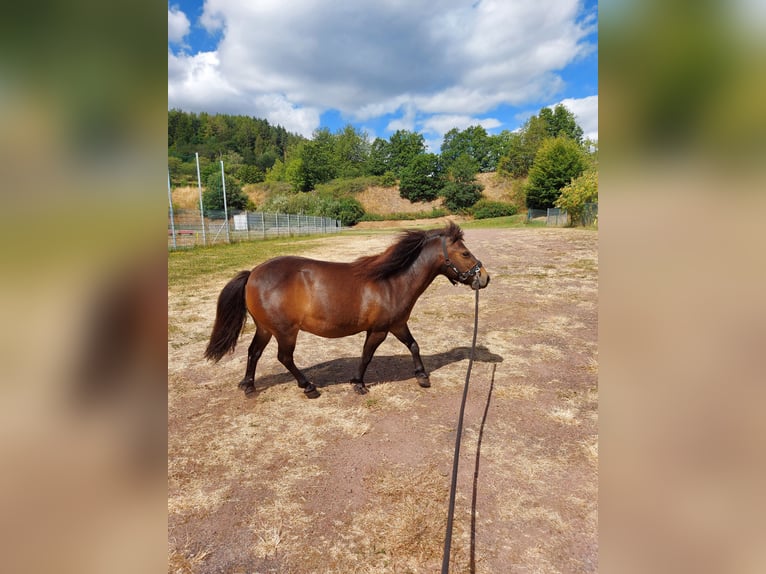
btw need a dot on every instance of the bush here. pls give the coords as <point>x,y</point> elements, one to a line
<point>408,216</point>
<point>212,197</point>
<point>322,203</point>
<point>389,179</point>
<point>461,196</point>
<point>557,161</point>
<point>422,179</point>
<point>348,186</point>
<point>347,209</point>
<point>581,190</point>
<point>485,209</point>
<point>250,174</point>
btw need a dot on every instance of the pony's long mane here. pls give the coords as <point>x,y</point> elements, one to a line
<point>401,255</point>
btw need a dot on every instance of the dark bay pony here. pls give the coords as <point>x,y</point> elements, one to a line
<point>375,294</point>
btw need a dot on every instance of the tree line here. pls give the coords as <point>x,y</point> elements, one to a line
<point>548,151</point>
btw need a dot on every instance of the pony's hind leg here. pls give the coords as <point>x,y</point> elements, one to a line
<point>254,352</point>
<point>371,343</point>
<point>285,356</point>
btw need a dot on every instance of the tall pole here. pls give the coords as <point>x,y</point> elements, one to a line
<point>172,219</point>
<point>201,211</point>
<point>225,211</point>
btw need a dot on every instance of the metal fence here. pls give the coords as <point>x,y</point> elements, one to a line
<point>555,217</point>
<point>589,213</point>
<point>187,228</point>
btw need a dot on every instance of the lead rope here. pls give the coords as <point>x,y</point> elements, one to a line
<point>451,510</point>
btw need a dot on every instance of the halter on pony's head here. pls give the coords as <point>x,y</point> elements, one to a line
<point>461,276</point>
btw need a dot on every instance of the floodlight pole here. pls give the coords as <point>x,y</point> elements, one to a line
<point>225,211</point>
<point>201,210</point>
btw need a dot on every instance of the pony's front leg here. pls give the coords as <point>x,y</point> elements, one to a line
<point>371,343</point>
<point>403,334</point>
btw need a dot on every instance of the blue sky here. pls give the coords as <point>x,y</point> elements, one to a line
<point>421,65</point>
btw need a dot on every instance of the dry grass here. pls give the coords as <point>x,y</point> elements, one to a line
<point>385,200</point>
<point>344,483</point>
<point>186,197</point>
<point>182,560</point>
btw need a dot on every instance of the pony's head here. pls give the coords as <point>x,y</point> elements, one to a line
<point>460,265</point>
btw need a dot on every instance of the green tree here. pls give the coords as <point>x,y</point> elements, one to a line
<point>317,164</point>
<point>350,152</point>
<point>422,179</point>
<point>462,190</point>
<point>254,140</point>
<point>276,172</point>
<point>499,144</point>
<point>581,190</point>
<point>267,159</point>
<point>295,175</point>
<point>557,161</point>
<point>522,147</point>
<point>404,146</point>
<point>249,174</point>
<point>473,142</point>
<point>379,159</point>
<point>561,122</point>
<point>212,197</point>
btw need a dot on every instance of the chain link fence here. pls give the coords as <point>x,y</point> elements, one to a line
<point>188,228</point>
<point>555,217</point>
<point>590,213</point>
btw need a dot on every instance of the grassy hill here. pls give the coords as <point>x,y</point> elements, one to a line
<point>379,202</point>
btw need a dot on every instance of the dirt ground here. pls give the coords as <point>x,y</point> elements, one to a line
<point>348,483</point>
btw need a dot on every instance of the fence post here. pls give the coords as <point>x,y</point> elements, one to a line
<point>172,219</point>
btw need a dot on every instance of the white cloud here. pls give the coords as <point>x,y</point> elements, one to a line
<point>196,80</point>
<point>585,111</point>
<point>178,25</point>
<point>364,59</point>
<point>406,122</point>
<point>195,83</point>
<point>441,124</point>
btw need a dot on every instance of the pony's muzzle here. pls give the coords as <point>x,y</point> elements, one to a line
<point>480,280</point>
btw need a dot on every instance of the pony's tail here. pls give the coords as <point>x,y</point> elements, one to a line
<point>230,317</point>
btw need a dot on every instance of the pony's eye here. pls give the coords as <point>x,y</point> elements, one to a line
<point>466,254</point>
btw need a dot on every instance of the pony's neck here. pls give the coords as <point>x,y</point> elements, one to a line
<point>424,269</point>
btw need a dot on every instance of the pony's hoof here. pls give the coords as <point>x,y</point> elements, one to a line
<point>248,387</point>
<point>424,382</point>
<point>361,388</point>
<point>311,392</point>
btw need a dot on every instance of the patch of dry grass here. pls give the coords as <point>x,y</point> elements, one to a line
<point>182,560</point>
<point>385,200</point>
<point>186,197</point>
<point>400,530</point>
<point>309,485</point>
